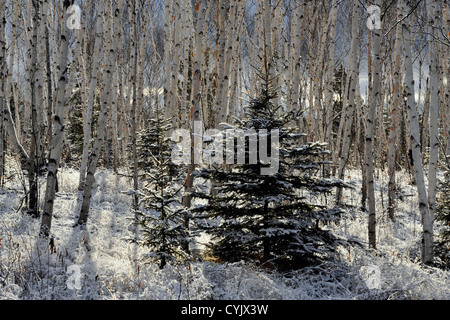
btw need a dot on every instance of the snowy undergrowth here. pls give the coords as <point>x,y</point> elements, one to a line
<point>112,268</point>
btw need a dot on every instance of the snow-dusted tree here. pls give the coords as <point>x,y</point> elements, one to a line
<point>3,73</point>
<point>269,216</point>
<point>374,102</point>
<point>113,36</point>
<point>349,113</point>
<point>443,216</point>
<point>88,110</point>
<point>35,143</point>
<point>434,16</point>
<point>58,126</point>
<point>394,119</point>
<point>427,222</point>
<point>195,109</point>
<point>161,214</point>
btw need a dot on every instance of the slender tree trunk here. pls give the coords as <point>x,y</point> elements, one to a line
<point>10,89</point>
<point>45,17</point>
<point>296,64</point>
<point>134,83</point>
<point>35,144</point>
<point>222,76</point>
<point>374,100</point>
<point>195,111</point>
<point>434,107</point>
<point>329,92</point>
<point>446,74</point>
<point>427,223</point>
<point>113,46</point>
<point>168,22</point>
<point>87,123</point>
<point>3,75</point>
<point>347,133</point>
<point>58,127</point>
<point>187,42</point>
<point>175,59</point>
<point>395,106</point>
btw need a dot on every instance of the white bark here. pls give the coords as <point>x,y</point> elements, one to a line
<point>394,121</point>
<point>434,107</point>
<point>113,46</point>
<point>222,77</point>
<point>329,92</point>
<point>194,114</point>
<point>176,58</point>
<point>58,129</point>
<point>10,88</point>
<point>347,130</point>
<point>295,61</point>
<point>3,73</point>
<point>87,123</point>
<point>374,99</point>
<point>427,223</point>
<point>446,73</point>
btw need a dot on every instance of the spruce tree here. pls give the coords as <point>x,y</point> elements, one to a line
<point>160,215</point>
<point>443,215</point>
<point>274,218</point>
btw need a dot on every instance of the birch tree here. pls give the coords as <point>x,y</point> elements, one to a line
<point>195,109</point>
<point>113,42</point>
<point>433,18</point>
<point>374,100</point>
<point>347,131</point>
<point>134,84</point>
<point>35,143</point>
<point>58,126</point>
<point>3,73</point>
<point>329,92</point>
<point>394,120</point>
<point>87,122</point>
<point>427,222</point>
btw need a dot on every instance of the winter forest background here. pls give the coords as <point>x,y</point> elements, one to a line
<point>94,207</point>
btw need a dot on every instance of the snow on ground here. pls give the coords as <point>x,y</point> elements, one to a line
<point>110,267</point>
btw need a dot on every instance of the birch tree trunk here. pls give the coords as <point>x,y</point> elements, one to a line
<point>113,38</point>
<point>296,64</point>
<point>45,18</point>
<point>374,99</point>
<point>446,70</point>
<point>10,91</point>
<point>187,42</point>
<point>427,223</point>
<point>168,21</point>
<point>35,144</point>
<point>135,47</point>
<point>11,128</point>
<point>329,92</point>
<point>195,117</point>
<point>58,127</point>
<point>196,103</point>
<point>347,130</point>
<point>434,107</point>
<point>87,123</point>
<point>3,75</point>
<point>222,77</point>
<point>395,106</point>
<point>175,58</point>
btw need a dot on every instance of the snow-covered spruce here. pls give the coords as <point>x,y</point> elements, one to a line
<point>269,217</point>
<point>443,216</point>
<point>161,215</point>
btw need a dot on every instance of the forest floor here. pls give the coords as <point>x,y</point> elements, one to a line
<point>109,267</point>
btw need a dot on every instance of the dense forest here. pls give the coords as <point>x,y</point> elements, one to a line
<point>163,149</point>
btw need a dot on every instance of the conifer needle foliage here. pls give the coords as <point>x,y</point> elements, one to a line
<point>276,219</point>
<point>161,214</point>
